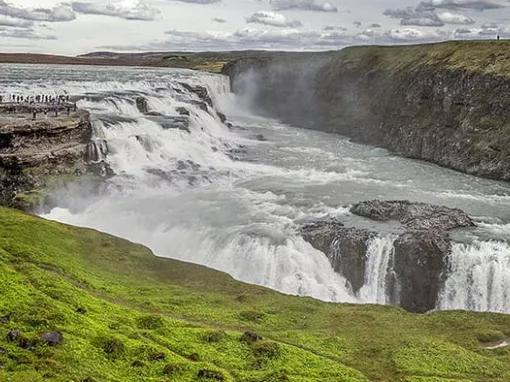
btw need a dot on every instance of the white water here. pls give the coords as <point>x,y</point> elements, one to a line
<point>380,256</point>
<point>233,200</point>
<point>479,277</point>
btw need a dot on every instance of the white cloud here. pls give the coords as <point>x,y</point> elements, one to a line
<point>455,18</point>
<point>272,19</point>
<point>60,12</point>
<point>140,10</point>
<point>305,5</point>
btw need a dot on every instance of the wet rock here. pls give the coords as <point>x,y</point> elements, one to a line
<point>182,111</point>
<point>200,91</point>
<point>416,216</point>
<point>201,105</point>
<point>345,248</point>
<point>52,338</point>
<point>221,116</point>
<point>141,105</point>
<point>418,263</point>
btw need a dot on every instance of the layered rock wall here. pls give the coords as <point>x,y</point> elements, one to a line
<point>425,102</point>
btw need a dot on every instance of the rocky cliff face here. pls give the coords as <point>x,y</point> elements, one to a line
<point>415,272</point>
<point>427,102</point>
<point>33,153</point>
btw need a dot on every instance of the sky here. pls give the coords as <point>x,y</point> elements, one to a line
<point>77,27</point>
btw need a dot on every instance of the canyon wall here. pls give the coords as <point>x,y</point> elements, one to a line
<point>446,103</point>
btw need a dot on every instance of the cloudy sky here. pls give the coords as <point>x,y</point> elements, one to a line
<point>75,27</point>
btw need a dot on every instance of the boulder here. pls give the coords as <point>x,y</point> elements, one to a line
<point>52,338</point>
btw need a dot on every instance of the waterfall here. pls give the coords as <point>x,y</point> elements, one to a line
<point>378,270</point>
<point>478,277</point>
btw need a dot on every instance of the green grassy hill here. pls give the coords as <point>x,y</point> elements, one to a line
<point>126,315</point>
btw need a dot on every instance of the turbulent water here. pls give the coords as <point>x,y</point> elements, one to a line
<point>233,198</point>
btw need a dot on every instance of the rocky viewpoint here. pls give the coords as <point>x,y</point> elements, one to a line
<point>35,152</point>
<point>420,250</point>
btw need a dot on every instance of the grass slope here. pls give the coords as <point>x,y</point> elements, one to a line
<point>485,57</point>
<point>129,316</point>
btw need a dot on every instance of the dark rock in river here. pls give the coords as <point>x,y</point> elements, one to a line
<point>200,91</point>
<point>141,105</point>
<point>419,258</point>
<point>416,216</point>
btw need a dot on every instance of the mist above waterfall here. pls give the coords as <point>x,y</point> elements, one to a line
<point>232,198</point>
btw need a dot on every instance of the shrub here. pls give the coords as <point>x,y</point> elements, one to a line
<point>210,374</point>
<point>250,337</point>
<point>251,315</point>
<point>113,347</point>
<point>171,369</point>
<point>214,336</point>
<point>150,322</point>
<point>267,350</point>
<point>489,335</point>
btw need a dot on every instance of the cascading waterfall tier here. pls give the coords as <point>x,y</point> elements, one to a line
<point>478,277</point>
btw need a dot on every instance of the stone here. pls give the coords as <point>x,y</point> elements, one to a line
<point>141,104</point>
<point>52,338</point>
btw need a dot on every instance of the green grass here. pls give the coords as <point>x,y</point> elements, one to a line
<point>127,315</point>
<point>486,57</point>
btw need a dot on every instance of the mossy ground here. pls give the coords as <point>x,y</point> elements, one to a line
<point>127,315</point>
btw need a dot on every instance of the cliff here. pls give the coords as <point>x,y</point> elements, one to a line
<point>446,103</point>
<point>34,154</point>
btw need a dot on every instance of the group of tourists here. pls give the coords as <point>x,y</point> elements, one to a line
<point>43,98</point>
<point>42,103</point>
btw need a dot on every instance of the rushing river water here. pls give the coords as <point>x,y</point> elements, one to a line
<point>233,198</point>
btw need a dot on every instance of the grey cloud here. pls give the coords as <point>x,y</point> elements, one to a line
<point>12,22</point>
<point>273,19</point>
<point>219,20</point>
<point>60,12</point>
<point>24,33</point>
<point>420,16</point>
<point>140,11</point>
<point>305,5</point>
<point>479,5</point>
<point>199,1</point>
